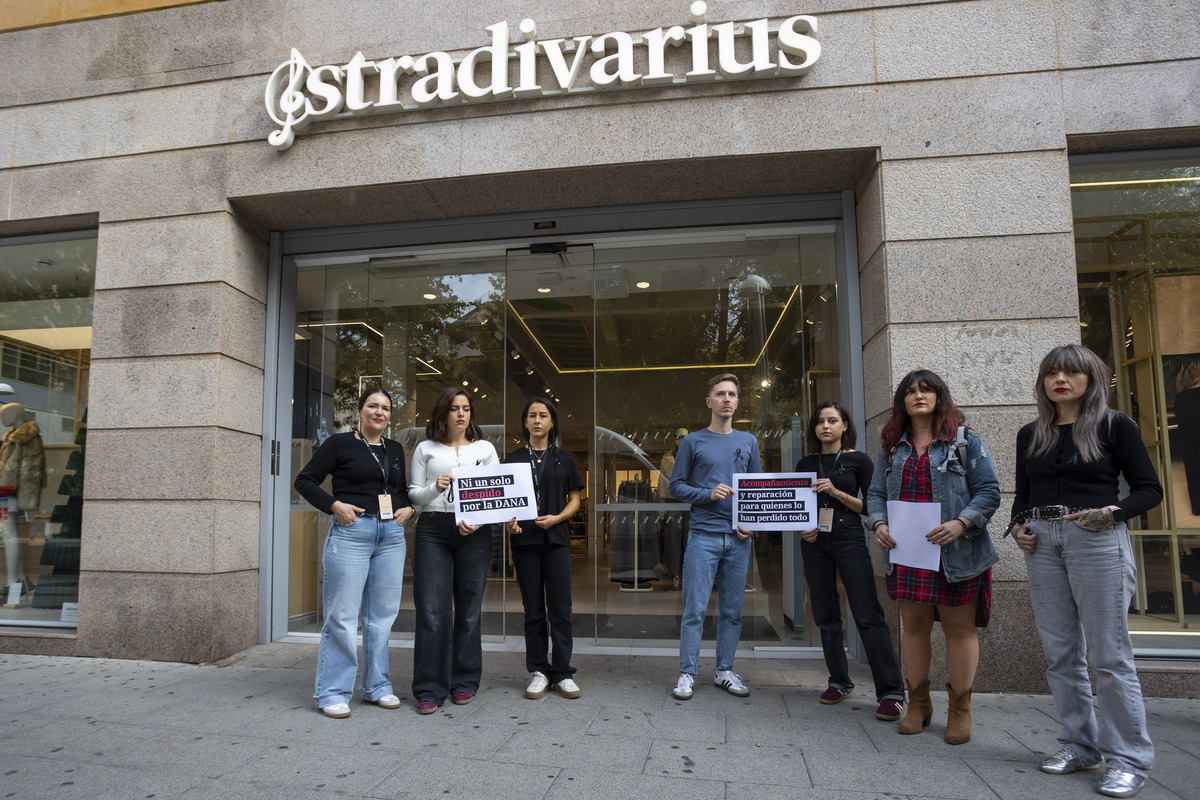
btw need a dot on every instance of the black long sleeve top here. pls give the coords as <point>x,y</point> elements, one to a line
<point>1062,477</point>
<point>850,472</point>
<point>357,476</point>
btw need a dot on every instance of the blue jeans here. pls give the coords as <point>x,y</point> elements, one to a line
<point>711,555</point>
<point>1081,582</point>
<point>843,551</point>
<point>364,569</point>
<point>449,578</point>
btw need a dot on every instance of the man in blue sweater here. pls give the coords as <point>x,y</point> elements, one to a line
<point>702,476</point>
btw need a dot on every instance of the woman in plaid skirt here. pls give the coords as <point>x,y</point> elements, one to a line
<point>928,455</point>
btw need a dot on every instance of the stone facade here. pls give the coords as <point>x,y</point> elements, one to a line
<point>952,121</point>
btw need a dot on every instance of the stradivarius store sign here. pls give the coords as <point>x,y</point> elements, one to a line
<point>298,94</point>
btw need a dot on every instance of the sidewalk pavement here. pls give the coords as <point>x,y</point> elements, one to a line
<point>246,728</point>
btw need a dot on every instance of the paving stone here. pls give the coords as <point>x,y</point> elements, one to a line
<point>75,727</point>
<point>577,784</point>
<point>1177,768</point>
<point>674,723</point>
<point>316,765</point>
<point>740,762</point>
<point>625,754</point>
<point>763,791</point>
<point>438,778</point>
<point>24,776</point>
<point>900,773</point>
<point>829,726</point>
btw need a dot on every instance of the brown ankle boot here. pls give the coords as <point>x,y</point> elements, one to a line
<point>920,709</point>
<point>958,721</point>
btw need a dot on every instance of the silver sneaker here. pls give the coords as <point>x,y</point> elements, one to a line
<point>683,689</point>
<point>1120,783</point>
<point>731,682</point>
<point>1065,761</point>
<point>538,686</point>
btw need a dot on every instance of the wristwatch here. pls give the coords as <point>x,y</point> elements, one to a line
<point>1119,515</point>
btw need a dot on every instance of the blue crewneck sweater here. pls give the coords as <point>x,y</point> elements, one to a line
<point>704,460</point>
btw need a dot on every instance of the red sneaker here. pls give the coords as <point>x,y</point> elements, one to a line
<point>833,695</point>
<point>889,710</point>
<point>461,697</point>
<point>426,707</point>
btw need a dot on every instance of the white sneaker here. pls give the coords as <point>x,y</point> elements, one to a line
<point>730,681</point>
<point>683,689</point>
<point>337,710</point>
<point>537,687</point>
<point>567,688</point>
<point>388,701</point>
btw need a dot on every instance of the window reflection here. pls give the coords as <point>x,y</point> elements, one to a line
<point>45,358</point>
<point>1137,237</point>
<point>622,334</point>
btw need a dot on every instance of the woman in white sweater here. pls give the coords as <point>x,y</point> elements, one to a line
<point>451,563</point>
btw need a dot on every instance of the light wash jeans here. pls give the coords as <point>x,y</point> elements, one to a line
<point>364,568</point>
<point>711,555</point>
<point>1081,582</point>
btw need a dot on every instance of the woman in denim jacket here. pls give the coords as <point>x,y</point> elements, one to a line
<point>922,460</point>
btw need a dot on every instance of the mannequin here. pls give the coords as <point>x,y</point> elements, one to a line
<point>22,477</point>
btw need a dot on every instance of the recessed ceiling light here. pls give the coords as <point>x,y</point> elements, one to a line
<point>643,284</point>
<point>466,384</point>
<point>429,296</point>
<point>543,290</point>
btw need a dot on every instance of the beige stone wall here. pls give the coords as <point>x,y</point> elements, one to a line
<point>951,120</point>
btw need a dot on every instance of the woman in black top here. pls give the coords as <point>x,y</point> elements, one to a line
<point>1070,521</point>
<point>843,477</point>
<point>541,550</point>
<point>364,552</point>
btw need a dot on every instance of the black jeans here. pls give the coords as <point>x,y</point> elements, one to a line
<point>544,575</point>
<point>843,551</point>
<point>449,577</point>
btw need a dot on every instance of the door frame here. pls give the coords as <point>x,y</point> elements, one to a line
<point>581,225</point>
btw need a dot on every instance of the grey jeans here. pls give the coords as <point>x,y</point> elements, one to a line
<point>1081,582</point>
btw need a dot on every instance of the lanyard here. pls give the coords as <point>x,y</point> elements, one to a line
<point>383,465</point>
<point>536,464</point>
<point>821,474</point>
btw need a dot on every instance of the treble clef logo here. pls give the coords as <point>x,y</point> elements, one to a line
<point>292,104</point>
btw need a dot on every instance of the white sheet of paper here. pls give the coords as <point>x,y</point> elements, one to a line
<point>774,501</point>
<point>908,523</point>
<point>493,493</point>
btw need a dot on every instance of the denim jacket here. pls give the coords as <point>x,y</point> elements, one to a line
<point>969,491</point>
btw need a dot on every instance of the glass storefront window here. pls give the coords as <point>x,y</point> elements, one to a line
<point>45,353</point>
<point>622,332</point>
<point>1137,242</point>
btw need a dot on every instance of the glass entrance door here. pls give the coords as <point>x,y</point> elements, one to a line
<point>621,333</point>
<point>414,323</point>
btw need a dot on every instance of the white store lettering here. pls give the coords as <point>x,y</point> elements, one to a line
<point>298,94</point>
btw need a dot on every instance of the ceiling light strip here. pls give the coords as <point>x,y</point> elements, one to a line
<point>753,363</point>
<point>1135,182</point>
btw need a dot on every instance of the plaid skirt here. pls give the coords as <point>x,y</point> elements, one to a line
<point>916,585</point>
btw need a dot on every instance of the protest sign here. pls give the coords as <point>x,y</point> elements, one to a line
<point>774,501</point>
<point>493,493</point>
